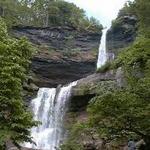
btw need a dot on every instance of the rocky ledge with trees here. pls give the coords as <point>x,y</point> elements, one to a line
<point>112,112</point>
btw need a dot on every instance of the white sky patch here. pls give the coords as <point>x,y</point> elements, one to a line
<point>103,10</point>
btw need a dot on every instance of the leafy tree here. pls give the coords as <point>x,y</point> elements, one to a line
<point>15,120</point>
<point>142,9</point>
<point>8,12</point>
<point>44,13</point>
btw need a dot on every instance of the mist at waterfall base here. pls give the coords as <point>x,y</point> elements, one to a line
<point>50,107</point>
<point>102,56</point>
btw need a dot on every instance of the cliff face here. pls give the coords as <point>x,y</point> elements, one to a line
<point>88,87</point>
<point>64,54</point>
<point>121,34</point>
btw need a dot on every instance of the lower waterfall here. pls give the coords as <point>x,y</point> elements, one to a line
<point>50,107</point>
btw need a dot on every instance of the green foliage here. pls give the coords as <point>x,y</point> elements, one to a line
<point>81,133</point>
<point>78,132</point>
<point>124,113</point>
<point>142,9</point>
<point>8,12</point>
<point>104,68</point>
<point>15,120</point>
<point>127,10</point>
<point>139,8</point>
<point>3,31</point>
<point>120,22</point>
<point>135,57</point>
<point>45,13</point>
<point>118,114</point>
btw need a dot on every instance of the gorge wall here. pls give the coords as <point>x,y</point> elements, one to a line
<point>64,54</point>
<point>121,34</point>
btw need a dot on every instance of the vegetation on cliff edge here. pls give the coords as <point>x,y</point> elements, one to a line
<point>45,13</point>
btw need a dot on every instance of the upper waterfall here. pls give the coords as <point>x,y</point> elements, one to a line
<point>102,56</point>
<point>49,108</point>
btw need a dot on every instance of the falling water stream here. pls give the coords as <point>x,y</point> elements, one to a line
<point>102,56</point>
<point>50,107</point>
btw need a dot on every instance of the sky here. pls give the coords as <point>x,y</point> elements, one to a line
<point>104,10</point>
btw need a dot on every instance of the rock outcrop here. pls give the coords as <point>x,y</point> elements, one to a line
<point>64,53</point>
<point>87,88</point>
<point>122,33</point>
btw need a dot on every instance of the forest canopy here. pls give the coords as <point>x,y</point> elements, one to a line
<point>44,13</point>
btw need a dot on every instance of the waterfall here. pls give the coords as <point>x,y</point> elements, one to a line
<point>102,56</point>
<point>49,107</point>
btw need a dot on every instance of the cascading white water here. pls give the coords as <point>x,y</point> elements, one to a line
<point>102,56</point>
<point>49,108</point>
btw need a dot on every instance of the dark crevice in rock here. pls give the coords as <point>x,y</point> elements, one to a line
<point>80,102</point>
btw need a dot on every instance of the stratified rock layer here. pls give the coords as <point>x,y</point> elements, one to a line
<point>64,53</point>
